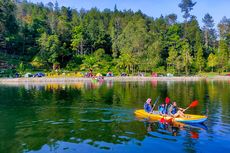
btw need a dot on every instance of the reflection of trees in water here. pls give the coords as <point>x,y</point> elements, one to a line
<point>50,126</point>
<point>48,114</point>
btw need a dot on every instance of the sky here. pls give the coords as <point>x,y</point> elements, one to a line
<point>154,8</point>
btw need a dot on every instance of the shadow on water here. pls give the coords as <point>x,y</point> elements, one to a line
<point>98,117</point>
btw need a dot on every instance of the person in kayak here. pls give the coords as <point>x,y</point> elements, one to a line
<point>162,109</point>
<point>175,111</point>
<point>147,105</point>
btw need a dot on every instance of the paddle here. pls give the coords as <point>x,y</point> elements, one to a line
<point>193,104</point>
<point>154,104</point>
<point>167,100</point>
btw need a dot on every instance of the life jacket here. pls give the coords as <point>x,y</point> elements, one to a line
<point>147,108</point>
<point>162,109</point>
<point>174,110</point>
<point>167,108</point>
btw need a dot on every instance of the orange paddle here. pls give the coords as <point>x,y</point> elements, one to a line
<point>193,104</point>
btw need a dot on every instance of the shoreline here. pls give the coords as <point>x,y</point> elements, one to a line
<point>119,79</point>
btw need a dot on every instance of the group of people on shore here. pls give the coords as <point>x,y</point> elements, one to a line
<point>165,109</point>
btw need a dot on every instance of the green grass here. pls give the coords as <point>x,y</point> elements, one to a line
<point>212,74</point>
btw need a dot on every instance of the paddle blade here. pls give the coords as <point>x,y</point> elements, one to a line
<point>167,100</point>
<point>194,103</point>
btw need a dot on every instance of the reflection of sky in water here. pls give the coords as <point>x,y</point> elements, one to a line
<point>98,117</point>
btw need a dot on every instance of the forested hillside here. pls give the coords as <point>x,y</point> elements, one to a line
<point>46,36</point>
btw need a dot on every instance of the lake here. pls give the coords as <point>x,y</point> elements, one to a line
<point>99,117</point>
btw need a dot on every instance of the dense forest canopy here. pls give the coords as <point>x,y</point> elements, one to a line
<point>46,36</point>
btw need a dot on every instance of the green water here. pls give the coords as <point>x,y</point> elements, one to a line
<point>98,117</point>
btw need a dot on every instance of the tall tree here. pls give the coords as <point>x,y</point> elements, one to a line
<point>212,61</point>
<point>171,19</point>
<point>209,31</point>
<point>133,38</point>
<point>186,57</point>
<point>8,24</point>
<point>224,43</point>
<point>199,59</point>
<point>77,40</point>
<point>49,49</point>
<point>186,7</point>
<point>223,56</point>
<point>171,60</point>
<point>209,34</point>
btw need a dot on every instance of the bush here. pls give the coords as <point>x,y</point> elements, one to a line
<point>160,70</point>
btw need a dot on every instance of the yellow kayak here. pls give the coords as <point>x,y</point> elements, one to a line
<point>156,116</point>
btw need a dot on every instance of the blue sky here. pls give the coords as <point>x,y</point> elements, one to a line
<point>216,8</point>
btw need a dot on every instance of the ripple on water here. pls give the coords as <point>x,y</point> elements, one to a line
<point>89,121</point>
<point>164,136</point>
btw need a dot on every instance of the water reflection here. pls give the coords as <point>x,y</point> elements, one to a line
<point>98,117</point>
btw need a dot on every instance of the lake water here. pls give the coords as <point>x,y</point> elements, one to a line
<point>99,117</point>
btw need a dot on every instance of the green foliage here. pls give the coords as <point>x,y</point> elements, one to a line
<point>171,60</point>
<point>126,62</point>
<point>223,56</point>
<point>160,70</point>
<point>77,39</point>
<point>21,68</point>
<point>49,49</point>
<point>118,41</point>
<point>186,57</point>
<point>186,6</point>
<point>199,59</point>
<point>212,61</point>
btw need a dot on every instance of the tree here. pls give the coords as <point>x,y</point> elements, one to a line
<point>8,25</point>
<point>89,63</point>
<point>171,19</point>
<point>116,29</point>
<point>133,38</point>
<point>212,61</point>
<point>186,6</point>
<point>77,40</point>
<point>224,44</point>
<point>126,62</point>
<point>223,55</point>
<point>186,57</point>
<point>199,59</point>
<point>151,58</point>
<point>209,31</point>
<point>171,60</point>
<point>224,29</point>
<point>49,49</point>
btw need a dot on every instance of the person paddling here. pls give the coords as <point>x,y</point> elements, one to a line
<point>163,108</point>
<point>175,111</point>
<point>148,106</point>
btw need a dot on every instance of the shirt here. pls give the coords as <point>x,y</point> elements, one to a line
<point>147,107</point>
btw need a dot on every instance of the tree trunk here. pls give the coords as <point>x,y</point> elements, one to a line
<point>81,47</point>
<point>206,38</point>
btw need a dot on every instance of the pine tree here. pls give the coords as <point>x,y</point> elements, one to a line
<point>186,6</point>
<point>223,56</point>
<point>171,60</point>
<point>199,59</point>
<point>186,57</point>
